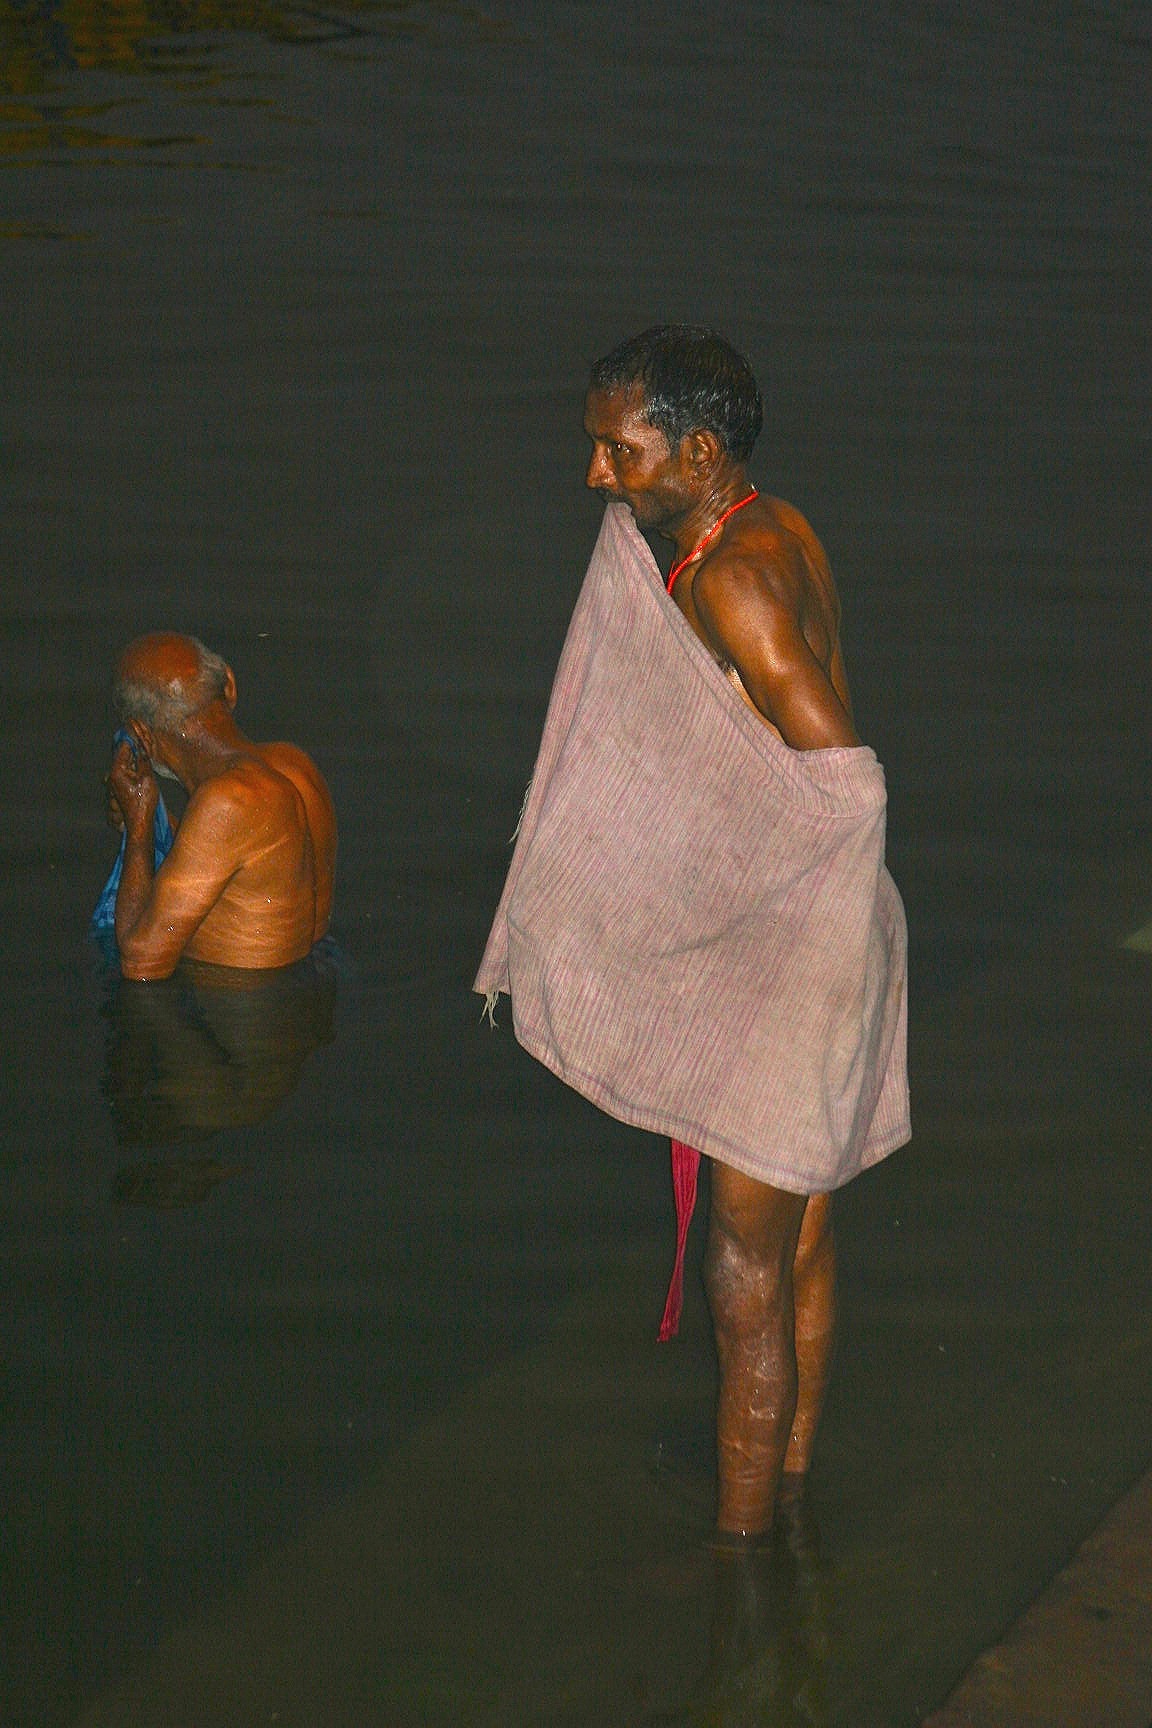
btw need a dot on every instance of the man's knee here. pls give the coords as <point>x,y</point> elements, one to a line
<point>753,1228</point>
<point>748,1283</point>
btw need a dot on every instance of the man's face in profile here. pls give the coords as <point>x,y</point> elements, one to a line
<point>631,462</point>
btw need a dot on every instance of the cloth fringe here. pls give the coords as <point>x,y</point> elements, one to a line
<point>515,835</point>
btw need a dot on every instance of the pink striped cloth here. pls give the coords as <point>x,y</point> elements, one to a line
<point>697,930</point>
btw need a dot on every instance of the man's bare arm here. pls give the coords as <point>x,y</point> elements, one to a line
<point>750,620</point>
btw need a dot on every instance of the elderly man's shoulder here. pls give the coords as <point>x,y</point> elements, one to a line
<point>263,772</point>
<point>269,790</point>
<point>247,789</point>
<point>297,766</point>
<point>291,761</point>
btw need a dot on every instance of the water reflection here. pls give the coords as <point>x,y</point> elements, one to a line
<point>209,1049</point>
<point>769,1642</point>
<point>184,44</point>
<point>42,39</point>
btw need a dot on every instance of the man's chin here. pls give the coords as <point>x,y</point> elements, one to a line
<point>638,515</point>
<point>163,773</point>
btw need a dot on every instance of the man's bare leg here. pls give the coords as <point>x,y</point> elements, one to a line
<point>752,1238</point>
<point>814,1298</point>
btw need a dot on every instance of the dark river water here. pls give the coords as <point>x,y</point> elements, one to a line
<point>331,1393</point>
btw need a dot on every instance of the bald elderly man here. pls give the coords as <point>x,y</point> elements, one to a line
<point>248,881</point>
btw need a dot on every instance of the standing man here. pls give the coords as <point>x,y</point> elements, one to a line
<point>742,988</point>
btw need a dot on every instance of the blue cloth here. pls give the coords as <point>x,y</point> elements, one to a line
<point>104,917</point>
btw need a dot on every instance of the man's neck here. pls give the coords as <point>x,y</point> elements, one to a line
<point>206,745</point>
<point>727,487</point>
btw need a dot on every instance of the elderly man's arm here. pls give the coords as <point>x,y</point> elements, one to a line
<point>158,914</point>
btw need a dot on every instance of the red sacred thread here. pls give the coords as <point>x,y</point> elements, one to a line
<point>715,529</point>
<point>685,1168</point>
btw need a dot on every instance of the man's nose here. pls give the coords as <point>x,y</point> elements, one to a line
<point>599,471</point>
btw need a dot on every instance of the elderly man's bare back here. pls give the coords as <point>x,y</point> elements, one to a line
<point>264,829</point>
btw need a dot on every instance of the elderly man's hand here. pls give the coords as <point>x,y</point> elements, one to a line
<point>112,810</point>
<point>132,789</point>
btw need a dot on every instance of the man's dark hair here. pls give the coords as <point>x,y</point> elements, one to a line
<point>692,380</point>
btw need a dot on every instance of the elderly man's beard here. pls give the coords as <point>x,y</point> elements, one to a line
<point>163,773</point>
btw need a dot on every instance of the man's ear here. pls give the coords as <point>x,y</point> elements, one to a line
<point>229,687</point>
<point>703,452</point>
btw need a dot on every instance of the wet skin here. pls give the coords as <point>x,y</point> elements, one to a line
<point>760,597</point>
<point>248,882</point>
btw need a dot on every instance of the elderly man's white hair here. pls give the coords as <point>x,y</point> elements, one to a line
<point>164,704</point>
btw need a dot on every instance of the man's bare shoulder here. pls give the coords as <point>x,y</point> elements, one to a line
<point>791,523</point>
<point>762,557</point>
<point>248,792</point>
<point>779,547</point>
<point>769,581</point>
<point>281,755</point>
<point>296,765</point>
